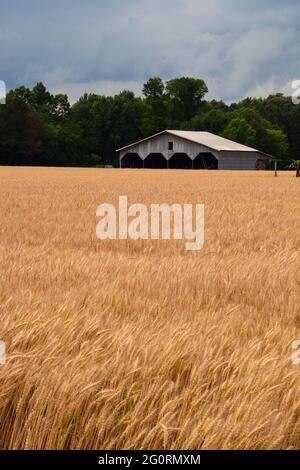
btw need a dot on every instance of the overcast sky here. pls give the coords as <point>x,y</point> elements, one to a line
<point>239,47</point>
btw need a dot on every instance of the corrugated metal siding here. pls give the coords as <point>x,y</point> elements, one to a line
<point>238,160</point>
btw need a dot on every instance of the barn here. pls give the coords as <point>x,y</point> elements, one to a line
<point>191,150</point>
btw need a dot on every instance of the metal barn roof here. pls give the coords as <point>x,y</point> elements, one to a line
<point>212,141</point>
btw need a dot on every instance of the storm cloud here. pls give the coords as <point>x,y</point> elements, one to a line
<point>239,48</point>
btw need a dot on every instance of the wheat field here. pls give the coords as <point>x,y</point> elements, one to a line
<point>141,344</point>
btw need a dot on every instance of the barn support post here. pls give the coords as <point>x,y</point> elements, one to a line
<point>275,168</point>
<point>167,156</point>
<point>193,156</point>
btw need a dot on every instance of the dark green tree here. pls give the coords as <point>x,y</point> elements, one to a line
<point>155,117</point>
<point>213,121</point>
<point>240,131</point>
<point>186,95</point>
<point>21,133</point>
<point>154,88</point>
<point>50,107</point>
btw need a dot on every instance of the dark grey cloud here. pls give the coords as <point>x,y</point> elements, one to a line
<point>238,47</point>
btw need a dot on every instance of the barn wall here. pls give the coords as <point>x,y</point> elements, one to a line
<point>237,160</point>
<point>159,144</point>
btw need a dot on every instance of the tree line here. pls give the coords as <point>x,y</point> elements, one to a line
<point>39,128</point>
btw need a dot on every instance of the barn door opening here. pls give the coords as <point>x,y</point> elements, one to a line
<point>131,160</point>
<point>180,161</point>
<point>205,161</point>
<point>155,160</point>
